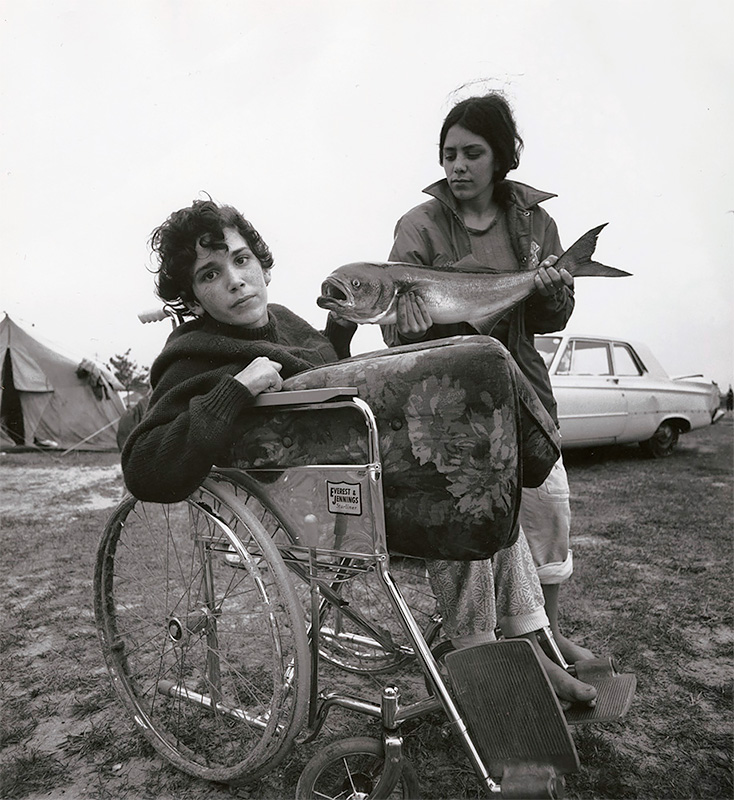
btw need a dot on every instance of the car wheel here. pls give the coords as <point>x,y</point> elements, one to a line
<point>663,441</point>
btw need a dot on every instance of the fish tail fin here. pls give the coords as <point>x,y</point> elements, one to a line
<point>577,259</point>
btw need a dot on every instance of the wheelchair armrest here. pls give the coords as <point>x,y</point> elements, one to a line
<point>304,396</point>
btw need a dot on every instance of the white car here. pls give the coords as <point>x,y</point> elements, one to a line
<point>611,391</point>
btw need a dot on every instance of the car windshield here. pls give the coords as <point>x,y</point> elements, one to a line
<point>547,347</point>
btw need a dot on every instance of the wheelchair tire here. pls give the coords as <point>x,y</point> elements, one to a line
<point>349,770</point>
<point>203,633</point>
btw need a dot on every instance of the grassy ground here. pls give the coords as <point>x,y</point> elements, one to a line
<point>653,586</point>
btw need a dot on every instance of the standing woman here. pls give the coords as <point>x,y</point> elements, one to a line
<point>475,211</point>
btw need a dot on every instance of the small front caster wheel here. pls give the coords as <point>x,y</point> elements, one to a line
<point>350,770</point>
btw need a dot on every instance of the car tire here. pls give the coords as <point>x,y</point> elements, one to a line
<point>662,443</point>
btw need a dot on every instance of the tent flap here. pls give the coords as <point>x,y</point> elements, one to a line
<point>27,375</point>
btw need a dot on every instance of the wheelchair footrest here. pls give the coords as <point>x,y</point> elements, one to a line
<point>614,692</point>
<point>510,708</point>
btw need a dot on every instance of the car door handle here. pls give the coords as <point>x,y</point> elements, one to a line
<point>613,380</point>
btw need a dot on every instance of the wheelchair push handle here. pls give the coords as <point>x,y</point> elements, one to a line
<point>160,313</point>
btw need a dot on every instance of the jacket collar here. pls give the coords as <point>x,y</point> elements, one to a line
<point>507,192</point>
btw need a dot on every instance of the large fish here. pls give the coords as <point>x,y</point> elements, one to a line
<point>367,292</point>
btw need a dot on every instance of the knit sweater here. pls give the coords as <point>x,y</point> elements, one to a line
<point>192,415</point>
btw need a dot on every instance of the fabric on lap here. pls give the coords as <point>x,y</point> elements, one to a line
<point>459,430</point>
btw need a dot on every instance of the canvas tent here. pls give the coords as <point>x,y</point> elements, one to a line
<point>46,397</point>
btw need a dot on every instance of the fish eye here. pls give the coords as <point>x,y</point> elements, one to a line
<point>356,283</point>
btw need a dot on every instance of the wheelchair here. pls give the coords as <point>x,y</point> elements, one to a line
<point>216,616</point>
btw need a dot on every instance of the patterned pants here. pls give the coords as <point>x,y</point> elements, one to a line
<point>475,597</point>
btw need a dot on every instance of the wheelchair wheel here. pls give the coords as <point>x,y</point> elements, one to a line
<point>360,631</point>
<point>349,770</point>
<point>203,633</point>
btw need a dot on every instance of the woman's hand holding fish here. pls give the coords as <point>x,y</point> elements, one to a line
<point>414,318</point>
<point>549,280</point>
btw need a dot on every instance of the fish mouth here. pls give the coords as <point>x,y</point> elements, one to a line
<point>335,295</point>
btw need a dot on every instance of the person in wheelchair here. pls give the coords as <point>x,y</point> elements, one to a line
<point>215,268</point>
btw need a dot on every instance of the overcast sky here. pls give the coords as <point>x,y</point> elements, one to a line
<point>319,120</point>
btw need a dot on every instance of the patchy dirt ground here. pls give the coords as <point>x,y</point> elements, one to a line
<point>652,585</point>
<point>75,488</point>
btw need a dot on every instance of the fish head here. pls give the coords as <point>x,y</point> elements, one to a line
<point>362,292</point>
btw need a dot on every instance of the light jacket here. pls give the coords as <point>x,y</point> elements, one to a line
<point>434,233</point>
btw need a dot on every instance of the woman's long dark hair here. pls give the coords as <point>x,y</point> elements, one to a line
<point>490,117</point>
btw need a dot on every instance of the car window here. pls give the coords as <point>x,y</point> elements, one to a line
<point>625,362</point>
<point>585,358</point>
<point>547,346</point>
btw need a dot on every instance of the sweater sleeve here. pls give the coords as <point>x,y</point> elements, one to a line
<point>183,435</point>
<point>340,335</point>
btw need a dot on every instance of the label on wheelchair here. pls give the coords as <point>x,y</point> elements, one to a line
<point>337,502</point>
<point>344,498</point>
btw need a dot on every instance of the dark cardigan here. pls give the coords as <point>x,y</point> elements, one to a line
<point>195,403</point>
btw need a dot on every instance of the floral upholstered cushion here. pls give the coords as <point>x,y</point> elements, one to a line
<point>459,428</point>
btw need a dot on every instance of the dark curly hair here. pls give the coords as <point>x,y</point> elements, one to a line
<point>174,243</point>
<point>490,117</point>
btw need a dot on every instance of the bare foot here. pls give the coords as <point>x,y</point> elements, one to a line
<point>568,689</point>
<point>571,651</point>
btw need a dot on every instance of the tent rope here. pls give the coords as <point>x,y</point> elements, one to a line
<point>91,436</point>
